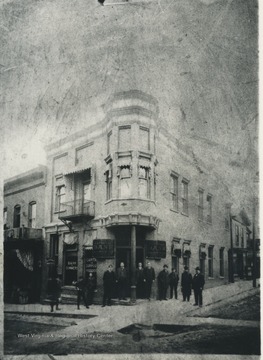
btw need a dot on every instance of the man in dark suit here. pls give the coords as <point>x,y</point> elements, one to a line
<point>163,283</point>
<point>121,279</point>
<point>108,285</point>
<point>198,286</point>
<point>149,278</point>
<point>186,284</point>
<point>81,287</point>
<point>139,281</point>
<point>173,281</point>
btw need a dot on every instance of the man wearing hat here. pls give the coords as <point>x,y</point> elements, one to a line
<point>163,283</point>
<point>198,285</point>
<point>186,284</point>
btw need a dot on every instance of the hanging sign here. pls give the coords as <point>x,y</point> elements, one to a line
<point>103,249</point>
<point>155,249</point>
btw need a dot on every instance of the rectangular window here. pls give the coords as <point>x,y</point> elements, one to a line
<point>108,184</point>
<point>32,215</point>
<point>83,154</point>
<point>221,262</point>
<point>53,250</point>
<point>174,191</point>
<point>237,235</point>
<point>144,191</point>
<point>144,138</point>
<point>242,238</point>
<point>186,261</point>
<point>5,218</point>
<point>60,197</point>
<point>125,182</point>
<point>200,204</point>
<point>210,261</point>
<point>17,216</point>
<point>109,137</point>
<point>185,196</point>
<point>209,206</point>
<point>124,138</point>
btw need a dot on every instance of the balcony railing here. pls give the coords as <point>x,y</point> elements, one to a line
<point>77,208</point>
<point>22,233</point>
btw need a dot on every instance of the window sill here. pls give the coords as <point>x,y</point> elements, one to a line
<point>221,277</point>
<point>211,278</point>
<point>59,212</point>
<point>184,214</point>
<point>128,199</point>
<point>175,211</point>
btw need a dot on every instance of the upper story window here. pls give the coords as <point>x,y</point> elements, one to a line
<point>221,262</point>
<point>242,238</point>
<point>108,174</point>
<point>109,137</point>
<point>32,211</point>
<point>5,218</point>
<point>83,153</point>
<point>125,181</point>
<point>200,204</point>
<point>144,186</point>
<point>185,196</point>
<point>174,191</point>
<point>17,216</point>
<point>124,138</point>
<point>60,197</point>
<point>237,235</point>
<point>210,261</point>
<point>144,138</point>
<point>209,205</point>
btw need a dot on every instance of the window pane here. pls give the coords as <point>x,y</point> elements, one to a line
<point>86,192</point>
<point>124,138</point>
<point>143,190</point>
<point>125,187</point>
<point>144,138</point>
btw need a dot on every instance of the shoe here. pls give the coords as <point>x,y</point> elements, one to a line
<point>58,309</point>
<point>87,307</point>
<point>149,299</point>
<point>78,308</point>
<point>165,299</point>
<point>195,304</point>
<point>124,299</point>
<point>103,305</point>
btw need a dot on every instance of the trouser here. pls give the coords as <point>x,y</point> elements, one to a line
<point>90,295</point>
<point>148,289</point>
<point>186,295</point>
<point>198,296</point>
<point>81,294</point>
<point>162,292</point>
<point>173,289</point>
<point>107,297</point>
<point>139,290</point>
<point>122,288</point>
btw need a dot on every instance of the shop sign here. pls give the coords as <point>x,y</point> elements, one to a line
<point>155,249</point>
<point>103,249</point>
<point>71,263</point>
<point>90,265</point>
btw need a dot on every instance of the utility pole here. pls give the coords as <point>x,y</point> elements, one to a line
<point>254,270</point>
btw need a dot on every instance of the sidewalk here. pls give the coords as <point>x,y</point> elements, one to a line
<point>146,312</point>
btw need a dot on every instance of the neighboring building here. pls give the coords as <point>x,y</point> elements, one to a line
<point>24,197</point>
<point>128,190</point>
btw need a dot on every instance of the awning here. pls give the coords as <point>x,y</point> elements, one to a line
<point>76,170</point>
<point>71,238</point>
<point>88,239</point>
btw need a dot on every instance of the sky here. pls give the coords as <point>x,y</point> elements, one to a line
<point>61,62</point>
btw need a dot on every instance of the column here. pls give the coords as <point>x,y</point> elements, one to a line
<point>133,263</point>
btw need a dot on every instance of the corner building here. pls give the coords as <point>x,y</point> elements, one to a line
<point>126,189</point>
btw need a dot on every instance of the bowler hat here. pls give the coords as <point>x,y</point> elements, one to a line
<point>197,268</point>
<point>186,267</point>
<point>165,266</point>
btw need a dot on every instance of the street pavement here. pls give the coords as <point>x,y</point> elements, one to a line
<point>113,318</point>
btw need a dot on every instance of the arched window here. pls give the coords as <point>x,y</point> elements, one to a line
<point>32,211</point>
<point>17,214</point>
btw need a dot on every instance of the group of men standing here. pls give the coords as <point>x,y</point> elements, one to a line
<point>145,277</point>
